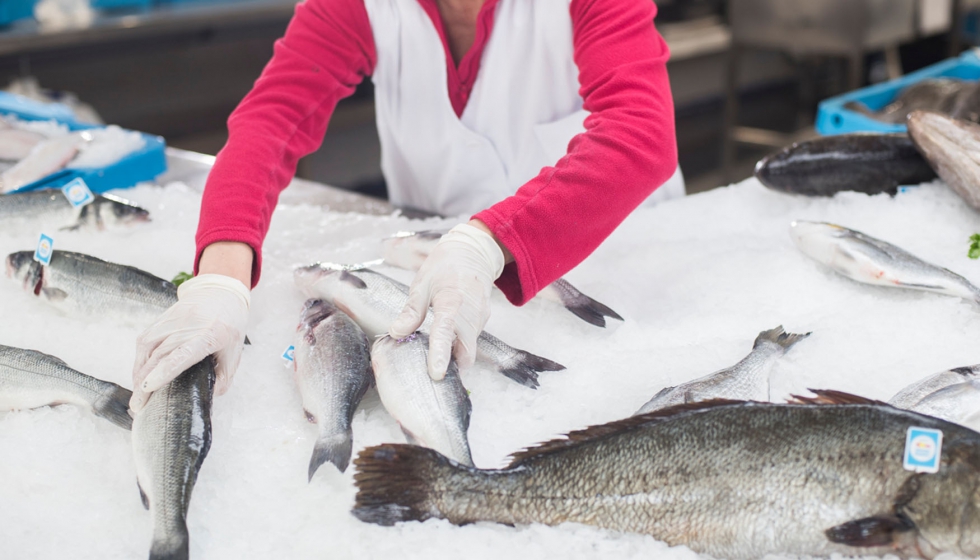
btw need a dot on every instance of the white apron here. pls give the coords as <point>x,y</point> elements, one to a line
<point>522,112</point>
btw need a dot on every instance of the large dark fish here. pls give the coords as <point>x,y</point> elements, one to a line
<point>952,148</point>
<point>51,207</point>
<point>868,163</point>
<point>731,479</point>
<point>957,98</point>
<point>171,438</point>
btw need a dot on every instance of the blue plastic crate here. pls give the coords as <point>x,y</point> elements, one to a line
<point>142,165</point>
<point>13,10</point>
<point>118,4</point>
<point>833,118</point>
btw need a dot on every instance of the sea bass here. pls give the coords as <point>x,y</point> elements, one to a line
<point>730,479</point>
<point>333,371</point>
<point>374,301</point>
<point>409,249</point>
<point>868,260</point>
<point>950,96</point>
<point>171,438</point>
<point>434,414</point>
<point>83,285</point>
<point>44,159</point>
<point>30,379</point>
<point>909,396</point>
<point>951,147</point>
<point>868,163</point>
<point>746,380</point>
<point>51,207</point>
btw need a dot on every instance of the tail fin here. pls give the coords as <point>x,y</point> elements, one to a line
<point>523,368</point>
<point>780,337</point>
<point>113,405</point>
<point>394,482</point>
<point>335,448</point>
<point>582,306</point>
<point>174,545</point>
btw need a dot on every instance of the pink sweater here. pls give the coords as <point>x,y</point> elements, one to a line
<point>552,223</point>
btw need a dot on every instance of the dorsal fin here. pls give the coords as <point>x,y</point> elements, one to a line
<point>830,396</point>
<point>352,280</point>
<point>614,427</point>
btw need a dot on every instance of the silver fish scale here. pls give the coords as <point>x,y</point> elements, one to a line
<point>34,204</point>
<point>958,403</point>
<point>907,397</point>
<point>29,379</point>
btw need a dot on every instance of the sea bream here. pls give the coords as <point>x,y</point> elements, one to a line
<point>729,479</point>
<point>31,379</point>
<point>49,206</point>
<point>869,260</point>
<point>374,300</point>
<point>746,380</point>
<point>952,148</point>
<point>409,249</point>
<point>912,394</point>
<point>958,403</point>
<point>333,371</point>
<point>171,438</point>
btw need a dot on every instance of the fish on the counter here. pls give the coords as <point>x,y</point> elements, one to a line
<point>869,260</point>
<point>409,249</point>
<point>333,371</point>
<point>48,157</point>
<point>374,300</point>
<point>951,148</point>
<point>84,285</point>
<point>17,143</point>
<point>746,380</point>
<point>31,379</point>
<point>868,163</point>
<point>730,479</point>
<point>171,438</point>
<point>950,96</point>
<point>959,403</point>
<point>433,414</point>
<point>51,206</point>
<point>912,394</point>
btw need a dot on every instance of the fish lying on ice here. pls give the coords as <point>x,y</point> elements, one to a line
<point>433,414</point>
<point>909,396</point>
<point>333,371</point>
<point>374,301</point>
<point>746,380</point>
<point>409,250</point>
<point>959,403</point>
<point>171,438</point>
<point>730,479</point>
<point>952,148</point>
<point>86,286</point>
<point>51,206</point>
<point>46,158</point>
<point>950,96</point>
<point>30,379</point>
<point>16,144</point>
<point>868,163</point>
<point>868,260</point>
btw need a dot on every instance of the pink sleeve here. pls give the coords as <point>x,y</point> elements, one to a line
<point>327,51</point>
<point>629,149</point>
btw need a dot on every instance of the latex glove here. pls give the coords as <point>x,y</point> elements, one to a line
<point>209,317</point>
<point>456,279</point>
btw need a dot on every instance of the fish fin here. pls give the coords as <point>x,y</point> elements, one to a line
<point>55,294</point>
<point>143,498</point>
<point>75,227</point>
<point>352,280</point>
<point>830,396</point>
<point>394,480</point>
<point>335,448</point>
<point>968,371</point>
<point>869,531</point>
<point>247,342</point>
<point>582,306</point>
<point>174,545</point>
<point>524,367</point>
<point>613,428</point>
<point>780,337</point>
<point>113,405</point>
<point>411,437</point>
<point>918,286</point>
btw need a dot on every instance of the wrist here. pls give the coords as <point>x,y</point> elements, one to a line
<point>508,257</point>
<point>228,258</point>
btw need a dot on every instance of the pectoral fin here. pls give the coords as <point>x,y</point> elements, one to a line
<point>143,498</point>
<point>870,531</point>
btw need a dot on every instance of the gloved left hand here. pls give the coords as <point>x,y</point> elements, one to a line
<point>456,279</point>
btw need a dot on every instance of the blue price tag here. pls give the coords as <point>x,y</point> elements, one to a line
<point>45,248</point>
<point>923,449</point>
<point>288,355</point>
<point>77,193</point>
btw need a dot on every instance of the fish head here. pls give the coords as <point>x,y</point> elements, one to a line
<point>315,311</point>
<point>22,266</point>
<point>818,240</point>
<point>110,211</point>
<point>328,280</point>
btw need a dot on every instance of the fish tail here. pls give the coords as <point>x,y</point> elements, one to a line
<point>780,337</point>
<point>113,405</point>
<point>335,448</point>
<point>584,307</point>
<point>523,368</point>
<point>174,545</point>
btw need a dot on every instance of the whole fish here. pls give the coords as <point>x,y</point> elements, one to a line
<point>868,163</point>
<point>30,379</point>
<point>868,260</point>
<point>730,479</point>
<point>409,249</point>
<point>434,414</point>
<point>84,285</point>
<point>950,96</point>
<point>950,146</point>
<point>44,159</point>
<point>374,301</point>
<point>171,438</point>
<point>909,396</point>
<point>51,206</point>
<point>333,371</point>
<point>746,380</point>
<point>959,403</point>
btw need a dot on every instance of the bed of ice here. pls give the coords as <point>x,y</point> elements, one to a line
<point>696,279</point>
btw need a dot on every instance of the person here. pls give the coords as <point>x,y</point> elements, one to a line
<point>548,121</point>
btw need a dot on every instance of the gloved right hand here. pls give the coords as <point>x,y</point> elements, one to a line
<point>210,317</point>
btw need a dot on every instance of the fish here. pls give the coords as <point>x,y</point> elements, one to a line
<point>332,362</point>
<point>950,96</point>
<point>171,438</point>
<point>868,260</point>
<point>864,162</point>
<point>746,380</point>
<point>51,207</point>
<point>31,379</point>
<point>83,285</point>
<point>374,300</point>
<point>433,414</point>
<point>950,146</point>
<point>909,396</point>
<point>959,403</point>
<point>409,249</point>
<point>44,159</point>
<point>16,144</point>
<point>731,479</point>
